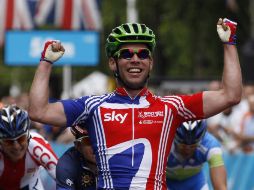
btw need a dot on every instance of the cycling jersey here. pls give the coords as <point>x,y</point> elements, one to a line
<point>185,174</point>
<point>24,174</point>
<point>73,172</point>
<point>131,137</point>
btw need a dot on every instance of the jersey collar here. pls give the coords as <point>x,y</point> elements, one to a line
<point>121,91</point>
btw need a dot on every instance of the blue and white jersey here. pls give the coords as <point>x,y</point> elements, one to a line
<point>73,173</point>
<point>184,173</point>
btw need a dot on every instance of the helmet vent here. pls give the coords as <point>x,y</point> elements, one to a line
<point>117,31</point>
<point>143,28</point>
<point>135,27</point>
<point>135,38</point>
<point>126,28</point>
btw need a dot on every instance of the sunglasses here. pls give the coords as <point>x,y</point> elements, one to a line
<point>142,53</point>
<point>83,140</point>
<point>10,142</point>
<point>185,146</point>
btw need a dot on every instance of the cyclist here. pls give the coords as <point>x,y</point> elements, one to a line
<point>22,152</point>
<point>131,130</point>
<point>193,147</point>
<point>76,168</point>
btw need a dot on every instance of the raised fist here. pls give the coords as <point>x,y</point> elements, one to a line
<point>227,31</point>
<point>53,50</point>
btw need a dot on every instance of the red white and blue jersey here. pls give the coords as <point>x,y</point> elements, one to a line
<point>25,174</point>
<point>132,137</point>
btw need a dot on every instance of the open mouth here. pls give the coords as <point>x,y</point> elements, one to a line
<point>134,70</point>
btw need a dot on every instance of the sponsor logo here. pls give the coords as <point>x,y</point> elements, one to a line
<point>69,182</point>
<point>115,117</point>
<point>148,122</point>
<point>87,179</point>
<point>150,114</point>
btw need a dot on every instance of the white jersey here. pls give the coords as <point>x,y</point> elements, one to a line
<point>25,173</point>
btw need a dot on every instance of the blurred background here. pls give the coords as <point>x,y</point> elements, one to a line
<point>188,55</point>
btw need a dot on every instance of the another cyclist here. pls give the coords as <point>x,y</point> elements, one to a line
<point>131,130</point>
<point>192,148</point>
<point>22,152</point>
<point>76,168</point>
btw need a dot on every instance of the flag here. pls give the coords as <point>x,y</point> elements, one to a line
<point>43,12</point>
<point>70,14</point>
<point>64,14</point>
<point>15,14</point>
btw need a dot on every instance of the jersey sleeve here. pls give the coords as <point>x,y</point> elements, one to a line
<point>42,153</point>
<point>215,153</point>
<point>66,170</point>
<point>188,107</point>
<point>193,106</point>
<point>73,108</point>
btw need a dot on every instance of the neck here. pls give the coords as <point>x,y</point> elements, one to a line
<point>132,93</point>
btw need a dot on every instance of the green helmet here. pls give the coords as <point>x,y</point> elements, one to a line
<point>129,33</point>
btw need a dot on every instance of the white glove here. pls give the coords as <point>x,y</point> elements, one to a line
<point>227,31</point>
<point>53,50</point>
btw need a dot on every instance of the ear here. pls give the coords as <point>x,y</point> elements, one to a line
<point>112,64</point>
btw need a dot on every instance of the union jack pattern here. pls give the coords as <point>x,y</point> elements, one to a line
<point>64,14</point>
<point>132,137</point>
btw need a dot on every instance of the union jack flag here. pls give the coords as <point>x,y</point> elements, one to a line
<point>64,14</point>
<point>15,14</point>
<point>70,14</point>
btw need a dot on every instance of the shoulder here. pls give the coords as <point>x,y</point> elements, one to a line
<point>70,156</point>
<point>210,141</point>
<point>212,147</point>
<point>86,99</point>
<point>187,106</point>
<point>68,165</point>
<point>41,150</point>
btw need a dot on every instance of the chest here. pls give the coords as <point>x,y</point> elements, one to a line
<point>127,122</point>
<point>19,172</point>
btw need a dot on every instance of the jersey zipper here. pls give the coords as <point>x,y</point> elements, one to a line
<point>133,136</point>
<point>133,126</point>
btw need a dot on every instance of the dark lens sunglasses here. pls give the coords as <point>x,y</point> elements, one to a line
<point>20,139</point>
<point>142,53</point>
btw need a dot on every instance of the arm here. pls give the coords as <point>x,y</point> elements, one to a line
<point>39,108</point>
<point>231,91</point>
<point>42,153</point>
<point>219,177</point>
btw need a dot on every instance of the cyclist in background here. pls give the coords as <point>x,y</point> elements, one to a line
<point>22,152</point>
<point>76,168</point>
<point>192,148</point>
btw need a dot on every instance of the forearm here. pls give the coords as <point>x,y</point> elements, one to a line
<point>231,91</point>
<point>232,77</point>
<point>39,91</point>
<point>219,178</point>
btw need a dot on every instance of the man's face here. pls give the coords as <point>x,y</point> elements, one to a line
<point>186,150</point>
<point>85,148</point>
<point>15,149</point>
<point>134,65</point>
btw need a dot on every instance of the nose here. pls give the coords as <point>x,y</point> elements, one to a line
<point>16,145</point>
<point>135,58</point>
